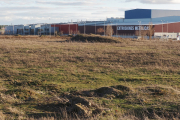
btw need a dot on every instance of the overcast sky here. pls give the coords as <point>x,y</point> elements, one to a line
<point>56,11</point>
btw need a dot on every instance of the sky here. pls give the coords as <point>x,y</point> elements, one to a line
<point>17,12</point>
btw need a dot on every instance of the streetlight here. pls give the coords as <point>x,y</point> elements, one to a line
<point>139,28</point>
<point>162,25</point>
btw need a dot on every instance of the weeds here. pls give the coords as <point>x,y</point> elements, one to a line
<point>129,79</point>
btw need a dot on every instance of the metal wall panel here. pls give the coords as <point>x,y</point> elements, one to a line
<point>67,28</point>
<point>138,13</point>
<point>164,13</point>
<point>170,28</point>
<point>91,29</point>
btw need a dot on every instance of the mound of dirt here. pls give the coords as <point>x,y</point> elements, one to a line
<point>118,91</point>
<point>108,90</point>
<point>156,90</point>
<point>80,105</point>
<point>96,38</point>
<point>122,87</point>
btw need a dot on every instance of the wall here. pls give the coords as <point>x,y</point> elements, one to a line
<point>91,30</point>
<point>164,13</point>
<point>138,13</point>
<point>171,27</point>
<point>67,28</point>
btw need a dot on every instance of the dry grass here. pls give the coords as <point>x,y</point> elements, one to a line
<point>36,71</point>
<point>15,111</point>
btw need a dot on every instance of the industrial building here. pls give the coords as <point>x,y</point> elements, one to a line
<point>164,23</point>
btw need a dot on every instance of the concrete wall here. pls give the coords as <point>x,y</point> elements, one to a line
<point>165,35</point>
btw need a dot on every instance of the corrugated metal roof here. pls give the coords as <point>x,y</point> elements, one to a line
<point>154,21</point>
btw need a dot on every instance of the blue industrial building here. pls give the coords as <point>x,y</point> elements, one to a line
<point>150,13</point>
<point>164,22</point>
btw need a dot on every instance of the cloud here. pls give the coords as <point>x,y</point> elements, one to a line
<point>156,1</point>
<point>39,11</point>
<point>69,3</point>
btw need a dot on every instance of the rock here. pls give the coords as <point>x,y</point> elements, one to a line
<point>14,95</point>
<point>82,110</point>
<point>106,109</point>
<point>81,100</point>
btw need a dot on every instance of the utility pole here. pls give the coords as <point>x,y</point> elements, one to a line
<point>13,29</point>
<point>84,27</point>
<point>76,29</point>
<point>60,29</point>
<point>40,30</point>
<point>162,26</point>
<point>104,27</point>
<point>54,29</point>
<point>69,28</point>
<point>111,29</point>
<point>29,28</point>
<point>139,28</point>
<point>167,26</point>
<point>23,29</point>
<point>116,29</point>
<point>50,28</point>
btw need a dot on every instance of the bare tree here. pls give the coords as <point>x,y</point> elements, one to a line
<point>151,31</point>
<point>109,30</point>
<point>144,33</point>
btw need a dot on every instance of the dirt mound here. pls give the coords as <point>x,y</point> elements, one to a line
<point>80,105</point>
<point>96,38</point>
<point>108,90</point>
<point>122,87</point>
<point>157,90</point>
<point>118,91</point>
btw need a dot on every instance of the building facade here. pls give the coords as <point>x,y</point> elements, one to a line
<point>136,21</point>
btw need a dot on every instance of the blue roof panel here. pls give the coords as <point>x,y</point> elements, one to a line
<point>138,14</point>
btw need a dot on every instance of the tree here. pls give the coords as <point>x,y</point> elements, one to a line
<point>109,30</point>
<point>145,32</point>
<point>151,31</point>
